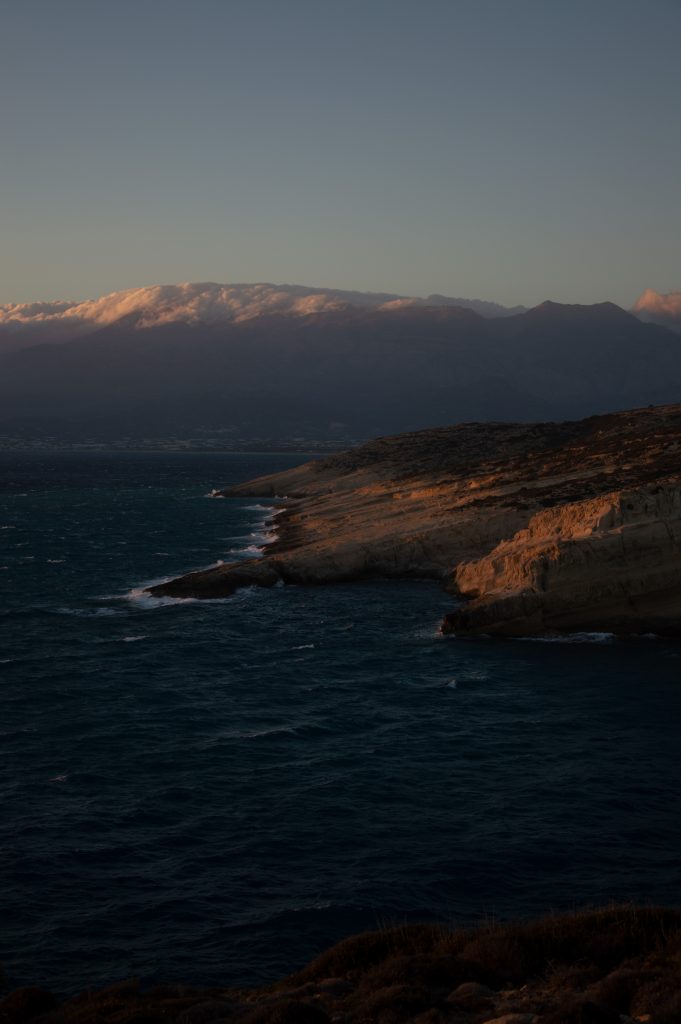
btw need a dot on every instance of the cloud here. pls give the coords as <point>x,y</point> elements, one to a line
<point>652,305</point>
<point>205,303</point>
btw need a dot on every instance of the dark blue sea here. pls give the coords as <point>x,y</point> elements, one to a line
<point>215,792</point>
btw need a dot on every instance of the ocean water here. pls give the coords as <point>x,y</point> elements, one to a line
<point>215,792</point>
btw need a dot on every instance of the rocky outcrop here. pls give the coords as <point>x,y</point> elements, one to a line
<point>542,527</point>
<point>608,564</point>
<point>220,580</point>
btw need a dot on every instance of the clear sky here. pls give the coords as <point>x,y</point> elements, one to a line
<point>513,150</point>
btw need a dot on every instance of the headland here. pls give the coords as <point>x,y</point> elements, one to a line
<point>534,528</point>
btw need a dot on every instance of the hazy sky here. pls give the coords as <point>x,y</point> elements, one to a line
<point>514,150</point>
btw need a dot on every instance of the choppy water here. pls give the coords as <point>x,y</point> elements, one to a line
<point>215,792</point>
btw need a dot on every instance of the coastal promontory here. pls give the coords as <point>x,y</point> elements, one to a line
<point>533,528</point>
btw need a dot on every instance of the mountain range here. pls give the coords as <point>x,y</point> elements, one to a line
<point>278,362</point>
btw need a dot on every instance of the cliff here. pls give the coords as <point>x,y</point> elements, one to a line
<point>543,527</point>
<point>607,564</point>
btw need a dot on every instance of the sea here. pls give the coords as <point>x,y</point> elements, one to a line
<point>214,792</point>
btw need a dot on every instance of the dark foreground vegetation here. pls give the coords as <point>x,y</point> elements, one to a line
<point>608,966</point>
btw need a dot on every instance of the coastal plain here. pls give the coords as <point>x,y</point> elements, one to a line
<point>534,528</point>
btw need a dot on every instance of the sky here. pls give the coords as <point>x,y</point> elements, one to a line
<point>512,150</point>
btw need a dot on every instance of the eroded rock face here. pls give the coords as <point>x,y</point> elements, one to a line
<point>544,526</point>
<point>611,563</point>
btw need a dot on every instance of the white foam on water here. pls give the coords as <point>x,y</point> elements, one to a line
<point>7,527</point>
<point>88,613</point>
<point>58,778</point>
<point>303,647</point>
<point>141,598</point>
<point>132,639</point>
<point>428,633</point>
<point>250,549</point>
<point>55,561</point>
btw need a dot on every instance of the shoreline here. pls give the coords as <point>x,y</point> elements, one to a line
<point>537,529</point>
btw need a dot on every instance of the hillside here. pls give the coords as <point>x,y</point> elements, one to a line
<point>613,966</point>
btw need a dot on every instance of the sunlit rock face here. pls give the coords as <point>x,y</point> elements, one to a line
<point>653,307</point>
<point>542,527</point>
<point>611,564</point>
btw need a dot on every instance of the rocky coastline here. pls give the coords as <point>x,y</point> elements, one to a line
<point>534,528</point>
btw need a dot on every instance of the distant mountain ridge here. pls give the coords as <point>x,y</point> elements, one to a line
<point>205,303</point>
<point>286,362</point>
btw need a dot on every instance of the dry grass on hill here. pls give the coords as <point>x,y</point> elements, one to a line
<point>606,966</point>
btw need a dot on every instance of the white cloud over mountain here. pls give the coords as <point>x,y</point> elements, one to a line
<point>206,303</point>
<point>189,303</point>
<point>660,308</point>
<point>211,304</point>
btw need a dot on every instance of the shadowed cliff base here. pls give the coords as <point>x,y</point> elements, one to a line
<point>539,528</point>
<point>609,966</point>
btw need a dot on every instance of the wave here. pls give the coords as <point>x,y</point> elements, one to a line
<point>261,538</point>
<point>250,549</point>
<point>258,733</point>
<point>299,729</point>
<point>265,536</point>
<point>140,597</point>
<point>87,613</point>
